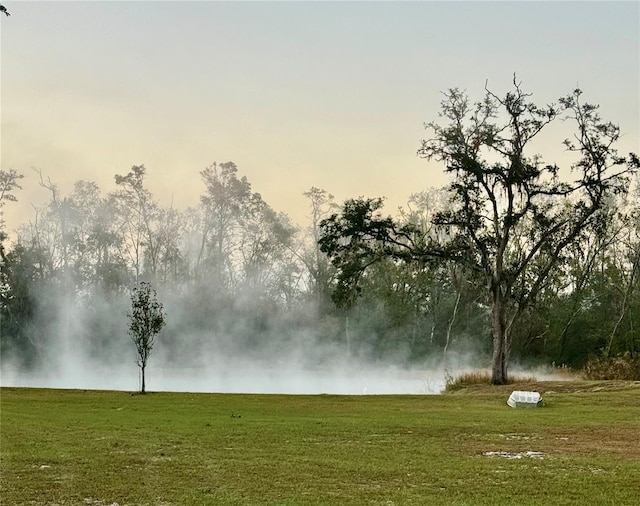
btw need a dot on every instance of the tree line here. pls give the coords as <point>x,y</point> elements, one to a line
<point>516,260</point>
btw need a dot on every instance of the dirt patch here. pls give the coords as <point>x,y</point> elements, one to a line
<point>592,440</point>
<point>515,455</point>
<point>553,442</point>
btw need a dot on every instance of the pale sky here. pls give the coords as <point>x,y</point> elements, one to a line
<point>297,94</point>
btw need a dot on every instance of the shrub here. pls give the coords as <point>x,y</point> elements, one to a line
<point>621,367</point>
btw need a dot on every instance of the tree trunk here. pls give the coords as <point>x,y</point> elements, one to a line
<point>346,333</point>
<point>451,322</point>
<point>142,389</point>
<point>500,340</point>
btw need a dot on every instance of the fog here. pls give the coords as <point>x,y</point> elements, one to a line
<point>76,370</point>
<point>236,378</point>
<point>82,343</point>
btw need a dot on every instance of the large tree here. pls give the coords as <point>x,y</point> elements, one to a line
<point>512,215</point>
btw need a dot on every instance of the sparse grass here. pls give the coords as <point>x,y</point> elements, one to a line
<point>97,448</point>
<point>621,367</point>
<point>479,377</point>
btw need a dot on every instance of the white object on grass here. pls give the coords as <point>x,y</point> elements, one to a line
<point>524,399</point>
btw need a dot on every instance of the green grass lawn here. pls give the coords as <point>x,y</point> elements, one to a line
<point>62,447</point>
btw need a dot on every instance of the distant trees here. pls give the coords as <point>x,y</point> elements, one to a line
<point>12,296</point>
<point>512,217</point>
<point>241,242</point>
<point>224,204</point>
<point>9,182</point>
<point>146,319</point>
<point>316,262</point>
<point>138,216</point>
<point>593,306</point>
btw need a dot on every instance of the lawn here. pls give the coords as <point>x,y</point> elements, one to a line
<point>69,447</point>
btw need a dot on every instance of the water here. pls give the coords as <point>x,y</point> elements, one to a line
<point>240,379</point>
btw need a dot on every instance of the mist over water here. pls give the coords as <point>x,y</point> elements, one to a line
<point>187,359</point>
<point>77,372</point>
<point>81,342</point>
<point>357,381</point>
<point>222,359</point>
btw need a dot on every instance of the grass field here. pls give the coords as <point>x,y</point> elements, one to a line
<point>65,447</point>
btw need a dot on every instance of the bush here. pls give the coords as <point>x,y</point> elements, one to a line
<point>621,367</point>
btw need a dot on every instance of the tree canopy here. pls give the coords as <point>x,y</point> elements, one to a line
<point>512,215</point>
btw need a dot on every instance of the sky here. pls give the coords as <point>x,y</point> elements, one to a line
<point>298,94</point>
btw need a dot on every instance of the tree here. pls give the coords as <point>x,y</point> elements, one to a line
<point>314,260</point>
<point>137,216</point>
<point>8,183</point>
<point>147,318</point>
<point>512,215</point>
<point>21,281</point>
<point>224,205</point>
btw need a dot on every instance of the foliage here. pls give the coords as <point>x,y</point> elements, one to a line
<point>8,184</point>
<point>359,237</point>
<point>146,320</point>
<point>19,306</point>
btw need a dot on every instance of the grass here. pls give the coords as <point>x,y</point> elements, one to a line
<point>479,377</point>
<point>65,447</point>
